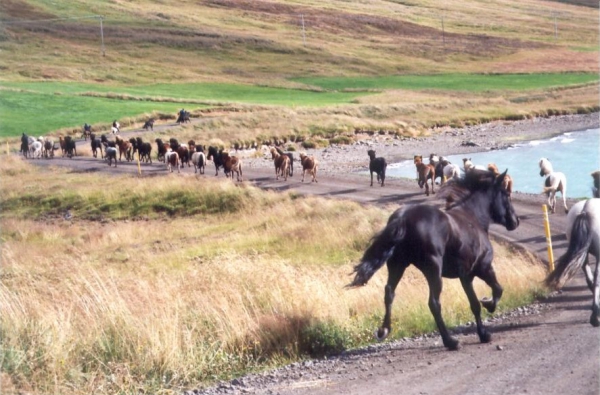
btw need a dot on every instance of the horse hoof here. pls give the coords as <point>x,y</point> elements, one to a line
<point>381,334</point>
<point>486,337</point>
<point>489,304</point>
<point>594,320</point>
<point>452,344</point>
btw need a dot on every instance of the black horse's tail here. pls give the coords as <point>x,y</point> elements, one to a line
<point>381,248</point>
<point>567,265</point>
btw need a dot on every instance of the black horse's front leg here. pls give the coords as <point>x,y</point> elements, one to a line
<point>467,283</point>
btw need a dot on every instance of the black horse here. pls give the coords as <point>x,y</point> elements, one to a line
<point>183,116</point>
<point>149,124</point>
<point>24,145</point>
<point>377,166</point>
<point>215,155</point>
<point>96,145</point>
<point>452,243</point>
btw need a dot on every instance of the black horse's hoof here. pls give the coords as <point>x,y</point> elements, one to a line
<point>485,337</point>
<point>452,344</point>
<point>594,320</point>
<point>381,334</point>
<point>489,304</point>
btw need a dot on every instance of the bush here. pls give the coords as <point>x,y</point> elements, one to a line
<point>324,338</point>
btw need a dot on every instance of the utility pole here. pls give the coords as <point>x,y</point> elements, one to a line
<point>303,30</point>
<point>102,35</point>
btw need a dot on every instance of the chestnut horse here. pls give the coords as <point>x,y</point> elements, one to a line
<point>282,164</point>
<point>310,165</point>
<point>453,243</point>
<point>507,182</point>
<point>425,172</point>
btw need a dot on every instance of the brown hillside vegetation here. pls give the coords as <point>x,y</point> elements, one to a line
<point>211,40</point>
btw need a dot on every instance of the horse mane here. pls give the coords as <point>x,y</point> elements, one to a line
<point>457,191</point>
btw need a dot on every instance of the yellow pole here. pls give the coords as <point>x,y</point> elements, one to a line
<point>139,167</point>
<point>548,238</point>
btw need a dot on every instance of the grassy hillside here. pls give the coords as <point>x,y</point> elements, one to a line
<point>514,59</point>
<point>263,41</point>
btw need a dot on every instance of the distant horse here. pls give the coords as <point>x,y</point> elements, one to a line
<point>310,165</point>
<point>449,170</point>
<point>452,244</point>
<point>111,154</point>
<point>125,147</point>
<point>26,141</point>
<point>507,182</point>
<point>183,116</point>
<point>172,159</point>
<point>377,166</point>
<point>87,131</point>
<point>199,160</point>
<point>144,150</point>
<point>282,164</point>
<point>468,165</point>
<point>436,161</point>
<point>70,147</point>
<point>215,155</point>
<point>583,232</point>
<point>232,164</point>
<point>149,124</point>
<point>48,150</point>
<point>289,155</point>
<point>35,149</point>
<point>116,127</point>
<point>161,149</point>
<point>596,187</point>
<point>96,145</point>
<point>555,182</point>
<point>184,154</point>
<point>425,172</point>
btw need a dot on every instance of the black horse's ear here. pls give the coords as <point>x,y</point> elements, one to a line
<point>500,178</point>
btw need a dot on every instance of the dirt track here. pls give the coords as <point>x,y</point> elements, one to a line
<point>549,348</point>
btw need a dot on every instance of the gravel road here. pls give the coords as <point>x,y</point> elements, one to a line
<point>546,348</point>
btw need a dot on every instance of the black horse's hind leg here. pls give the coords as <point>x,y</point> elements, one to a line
<point>434,279</point>
<point>395,273</point>
<point>467,283</point>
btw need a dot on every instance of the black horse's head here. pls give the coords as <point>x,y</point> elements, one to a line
<point>501,207</point>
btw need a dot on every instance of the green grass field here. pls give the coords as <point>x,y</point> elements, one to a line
<point>42,107</point>
<point>458,82</point>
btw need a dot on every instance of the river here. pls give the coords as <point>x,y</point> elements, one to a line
<point>576,154</point>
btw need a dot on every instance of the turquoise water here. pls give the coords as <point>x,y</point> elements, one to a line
<point>575,154</point>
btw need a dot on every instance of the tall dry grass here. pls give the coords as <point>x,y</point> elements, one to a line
<point>172,301</point>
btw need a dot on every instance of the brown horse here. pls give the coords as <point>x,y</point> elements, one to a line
<point>425,172</point>
<point>125,147</point>
<point>172,159</point>
<point>282,164</point>
<point>507,182</point>
<point>309,164</point>
<point>232,164</point>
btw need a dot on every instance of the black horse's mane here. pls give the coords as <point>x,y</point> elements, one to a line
<point>458,191</point>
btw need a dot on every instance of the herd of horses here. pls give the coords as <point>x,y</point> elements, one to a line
<point>452,242</point>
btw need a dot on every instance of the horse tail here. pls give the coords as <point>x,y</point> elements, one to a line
<point>579,243</point>
<point>381,249</point>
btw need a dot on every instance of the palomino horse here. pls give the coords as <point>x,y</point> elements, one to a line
<point>452,244</point>
<point>555,182</point>
<point>282,164</point>
<point>425,172</point>
<point>583,232</point>
<point>507,182</point>
<point>310,165</point>
<point>377,166</point>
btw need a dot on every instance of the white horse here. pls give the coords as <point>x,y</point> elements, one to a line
<point>116,127</point>
<point>199,161</point>
<point>583,233</point>
<point>555,182</point>
<point>35,149</point>
<point>451,171</point>
<point>468,165</point>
